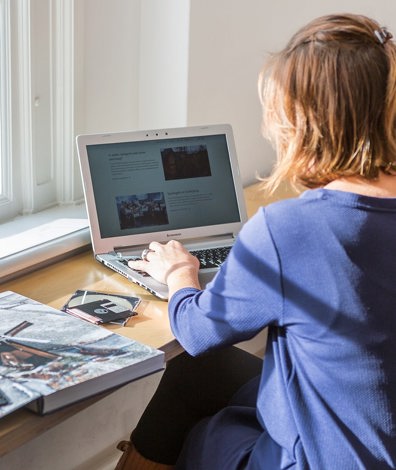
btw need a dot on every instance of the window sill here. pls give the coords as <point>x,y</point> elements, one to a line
<point>31,241</point>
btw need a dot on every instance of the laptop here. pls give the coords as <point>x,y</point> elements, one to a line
<point>179,183</point>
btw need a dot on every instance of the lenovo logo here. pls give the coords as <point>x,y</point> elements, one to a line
<point>173,235</point>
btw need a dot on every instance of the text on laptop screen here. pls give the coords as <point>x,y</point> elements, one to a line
<point>164,184</point>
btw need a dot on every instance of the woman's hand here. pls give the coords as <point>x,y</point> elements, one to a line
<point>170,264</point>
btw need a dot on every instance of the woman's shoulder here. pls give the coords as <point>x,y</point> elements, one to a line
<point>309,201</point>
<point>312,202</point>
<point>300,217</point>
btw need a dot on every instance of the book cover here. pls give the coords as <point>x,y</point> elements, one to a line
<point>49,359</point>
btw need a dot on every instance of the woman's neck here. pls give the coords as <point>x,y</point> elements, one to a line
<point>383,186</point>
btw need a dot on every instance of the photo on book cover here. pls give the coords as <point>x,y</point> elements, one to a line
<point>54,359</point>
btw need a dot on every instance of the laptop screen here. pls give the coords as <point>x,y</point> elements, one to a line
<point>145,185</point>
<point>162,184</point>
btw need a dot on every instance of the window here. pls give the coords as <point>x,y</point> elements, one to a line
<point>36,96</point>
<point>38,168</point>
<point>64,77</point>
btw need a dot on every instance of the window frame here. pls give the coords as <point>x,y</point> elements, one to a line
<point>39,167</point>
<point>5,107</point>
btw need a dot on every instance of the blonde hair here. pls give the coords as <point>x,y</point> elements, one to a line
<point>329,102</point>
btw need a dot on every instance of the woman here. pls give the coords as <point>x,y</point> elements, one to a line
<point>319,271</point>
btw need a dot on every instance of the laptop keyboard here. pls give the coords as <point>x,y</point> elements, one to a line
<point>212,257</point>
<point>208,258</point>
<point>125,261</point>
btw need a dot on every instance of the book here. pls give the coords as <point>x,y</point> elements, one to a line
<point>101,307</point>
<point>50,359</point>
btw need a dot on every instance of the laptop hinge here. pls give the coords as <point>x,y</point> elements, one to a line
<point>214,240</point>
<point>127,250</point>
<point>190,243</point>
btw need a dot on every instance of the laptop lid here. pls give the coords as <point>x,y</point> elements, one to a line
<point>179,183</point>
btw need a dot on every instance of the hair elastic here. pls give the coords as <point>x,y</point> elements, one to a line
<point>383,35</point>
<point>388,167</point>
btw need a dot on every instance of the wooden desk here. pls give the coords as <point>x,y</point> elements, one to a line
<point>54,284</point>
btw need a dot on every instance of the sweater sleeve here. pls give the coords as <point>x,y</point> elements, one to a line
<point>244,297</point>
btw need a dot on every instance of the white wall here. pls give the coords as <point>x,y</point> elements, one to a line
<point>165,63</point>
<point>132,64</point>
<point>107,48</point>
<point>229,40</point>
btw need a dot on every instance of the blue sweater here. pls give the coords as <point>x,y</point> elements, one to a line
<point>320,272</point>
